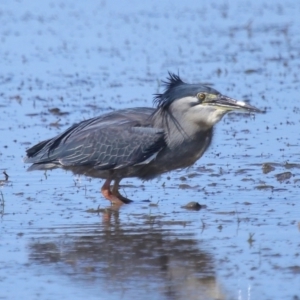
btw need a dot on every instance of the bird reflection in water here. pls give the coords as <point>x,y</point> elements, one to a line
<point>151,260</point>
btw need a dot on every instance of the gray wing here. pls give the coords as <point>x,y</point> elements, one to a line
<point>112,148</point>
<point>102,143</point>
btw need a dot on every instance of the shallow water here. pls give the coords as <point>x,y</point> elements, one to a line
<point>62,62</point>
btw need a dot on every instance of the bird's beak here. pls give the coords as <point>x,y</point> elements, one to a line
<point>226,103</point>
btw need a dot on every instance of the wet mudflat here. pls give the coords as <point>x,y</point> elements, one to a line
<point>62,62</point>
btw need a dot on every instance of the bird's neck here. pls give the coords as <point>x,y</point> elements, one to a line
<point>178,129</point>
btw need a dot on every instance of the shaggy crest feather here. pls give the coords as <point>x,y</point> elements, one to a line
<point>163,100</point>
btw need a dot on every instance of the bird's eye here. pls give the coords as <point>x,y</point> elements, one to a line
<point>201,96</point>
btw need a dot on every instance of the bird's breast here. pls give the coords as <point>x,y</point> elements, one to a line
<point>182,156</point>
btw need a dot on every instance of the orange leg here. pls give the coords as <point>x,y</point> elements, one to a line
<point>113,196</point>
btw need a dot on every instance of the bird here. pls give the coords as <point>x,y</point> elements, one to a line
<point>142,142</point>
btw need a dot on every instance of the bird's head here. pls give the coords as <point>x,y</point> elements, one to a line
<point>190,105</point>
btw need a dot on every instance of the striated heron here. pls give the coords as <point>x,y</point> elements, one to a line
<point>139,142</point>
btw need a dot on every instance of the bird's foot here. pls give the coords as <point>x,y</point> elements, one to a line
<point>113,195</point>
<point>112,198</point>
<point>122,198</point>
<point>115,198</point>
<point>117,194</point>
